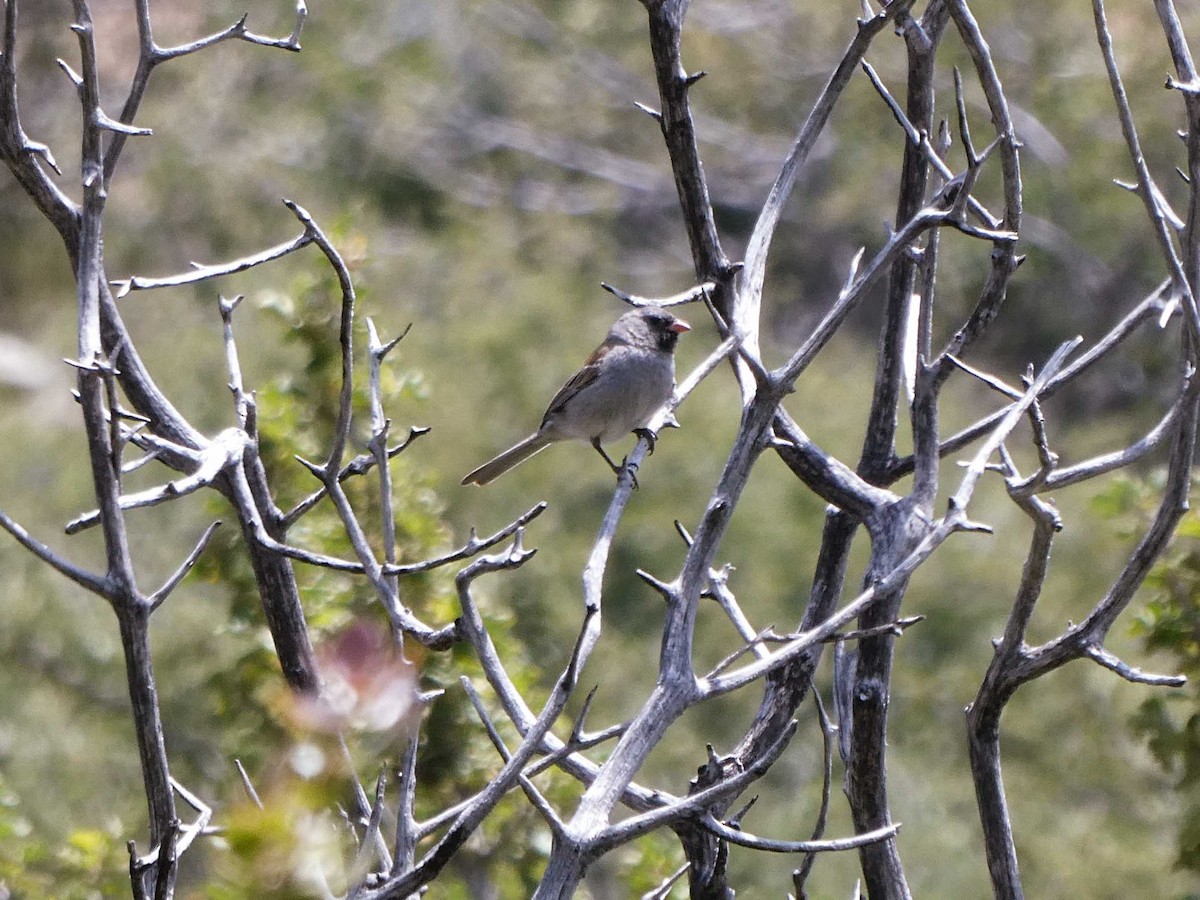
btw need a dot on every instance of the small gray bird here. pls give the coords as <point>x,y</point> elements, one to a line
<point>622,384</point>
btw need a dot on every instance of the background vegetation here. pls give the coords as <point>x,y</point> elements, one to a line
<point>487,168</point>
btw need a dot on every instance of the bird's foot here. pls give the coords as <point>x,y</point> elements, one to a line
<point>631,468</point>
<point>617,470</point>
<point>650,437</point>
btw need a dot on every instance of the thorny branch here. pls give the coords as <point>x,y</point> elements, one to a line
<point>934,203</point>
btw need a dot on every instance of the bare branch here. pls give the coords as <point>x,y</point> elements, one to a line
<point>155,600</point>
<point>693,804</point>
<point>691,295</point>
<point>360,465</point>
<point>226,450</point>
<point>87,580</point>
<point>247,785</point>
<point>751,285</point>
<point>1154,212</point>
<point>1113,663</point>
<point>663,890</point>
<point>737,836</point>
<point>200,272</point>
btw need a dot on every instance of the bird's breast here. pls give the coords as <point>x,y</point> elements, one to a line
<point>629,390</point>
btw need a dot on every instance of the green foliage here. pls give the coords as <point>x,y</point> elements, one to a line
<point>1169,625</point>
<point>276,851</point>
<point>493,154</point>
<point>89,864</point>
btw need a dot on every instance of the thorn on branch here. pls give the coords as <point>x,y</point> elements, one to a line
<point>666,590</point>
<point>1184,87</point>
<point>316,468</point>
<point>848,284</point>
<point>974,527</point>
<point>650,111</point>
<point>895,628</point>
<point>43,150</point>
<point>103,120</point>
<point>71,73</point>
<point>380,350</point>
<point>735,821</point>
<point>577,735</point>
<point>684,534</point>
<point>227,306</point>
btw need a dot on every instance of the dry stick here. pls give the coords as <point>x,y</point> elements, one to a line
<point>150,55</point>
<point>771,845</point>
<point>242,401</point>
<point>828,477</point>
<point>365,811</point>
<point>360,465</point>
<point>380,428</point>
<point>919,138</point>
<point>1004,259</point>
<point>1162,230</point>
<point>329,472</point>
<point>203,816</point>
<point>341,428</point>
<point>1015,663</point>
<point>1004,676</point>
<point>691,295</point>
<point>1147,310</point>
<point>156,599</point>
<point>224,452</point>
<point>718,580</point>
<point>1188,79</point>
<point>954,521</point>
<point>21,154</point>
<point>679,135</point>
<point>406,826</point>
<point>247,784</point>
<point>690,806</point>
<point>754,274</point>
<point>663,890</point>
<point>898,244</point>
<point>132,612</point>
<point>745,314</point>
<point>240,489</point>
<point>274,576</point>
<point>470,818</point>
<point>87,580</point>
<point>534,796</point>
<point>371,836</point>
<point>1108,462</point>
<point>247,488</point>
<point>800,876</point>
<point>199,272</point>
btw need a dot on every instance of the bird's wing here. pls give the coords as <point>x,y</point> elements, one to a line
<point>577,382</point>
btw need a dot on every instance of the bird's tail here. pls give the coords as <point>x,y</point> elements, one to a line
<point>513,456</point>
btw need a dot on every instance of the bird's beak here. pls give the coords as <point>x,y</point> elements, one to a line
<point>679,326</point>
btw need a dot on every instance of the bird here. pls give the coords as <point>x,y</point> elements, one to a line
<point>623,383</point>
